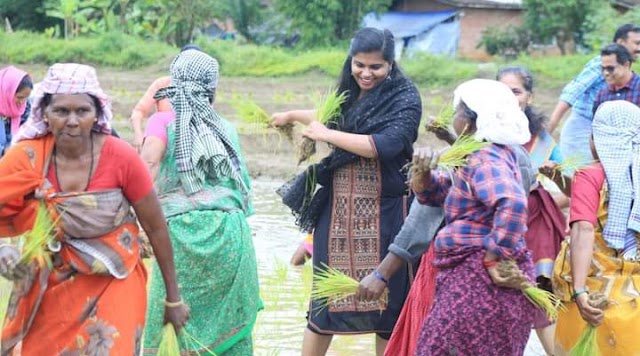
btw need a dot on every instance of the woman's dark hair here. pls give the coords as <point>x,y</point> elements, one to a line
<point>366,40</point>
<point>468,113</point>
<point>46,101</point>
<point>191,46</point>
<point>26,82</point>
<point>536,119</point>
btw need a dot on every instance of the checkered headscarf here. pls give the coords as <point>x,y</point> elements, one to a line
<point>616,135</point>
<point>203,148</point>
<point>65,78</point>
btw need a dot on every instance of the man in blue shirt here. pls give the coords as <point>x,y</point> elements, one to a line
<point>579,96</point>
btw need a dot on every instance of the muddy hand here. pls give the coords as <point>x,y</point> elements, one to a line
<point>177,315</point>
<point>370,288</point>
<point>500,281</point>
<point>280,119</point>
<point>548,169</point>
<point>316,131</point>
<point>425,159</point>
<point>137,141</point>
<point>591,315</point>
<point>10,266</point>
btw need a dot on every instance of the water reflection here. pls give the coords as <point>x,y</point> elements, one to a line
<point>285,289</point>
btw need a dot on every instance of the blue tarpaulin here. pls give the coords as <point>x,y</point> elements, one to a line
<point>435,32</point>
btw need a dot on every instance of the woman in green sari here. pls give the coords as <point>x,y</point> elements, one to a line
<point>203,185</point>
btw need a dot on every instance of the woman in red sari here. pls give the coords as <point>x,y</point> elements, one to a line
<point>91,298</point>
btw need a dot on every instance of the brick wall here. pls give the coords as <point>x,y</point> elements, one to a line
<point>474,21</point>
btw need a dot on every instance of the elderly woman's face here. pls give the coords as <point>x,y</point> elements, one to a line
<point>71,116</point>
<point>461,124</point>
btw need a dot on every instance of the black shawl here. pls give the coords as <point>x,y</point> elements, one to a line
<point>393,103</point>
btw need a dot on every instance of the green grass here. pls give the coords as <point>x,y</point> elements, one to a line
<point>112,49</point>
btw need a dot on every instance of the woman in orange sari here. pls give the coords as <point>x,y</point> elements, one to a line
<point>86,294</point>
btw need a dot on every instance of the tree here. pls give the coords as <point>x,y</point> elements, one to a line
<point>559,19</point>
<point>600,26</point>
<point>326,22</point>
<point>34,19</point>
<point>244,13</point>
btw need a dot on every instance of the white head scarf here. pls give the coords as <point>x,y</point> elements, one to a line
<point>500,119</point>
<point>616,135</point>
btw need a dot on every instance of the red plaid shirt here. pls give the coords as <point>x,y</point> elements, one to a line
<point>486,206</point>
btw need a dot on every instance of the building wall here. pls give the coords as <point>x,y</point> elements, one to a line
<point>474,21</point>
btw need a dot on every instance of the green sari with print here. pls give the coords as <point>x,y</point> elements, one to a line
<point>215,262</point>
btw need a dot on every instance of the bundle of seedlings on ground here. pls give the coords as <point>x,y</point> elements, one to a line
<point>251,113</point>
<point>36,240</point>
<point>327,112</point>
<point>587,344</point>
<point>444,118</point>
<point>543,300</point>
<point>330,285</point>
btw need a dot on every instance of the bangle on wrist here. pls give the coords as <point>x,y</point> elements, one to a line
<point>577,293</point>
<point>489,263</point>
<point>379,276</point>
<point>169,304</point>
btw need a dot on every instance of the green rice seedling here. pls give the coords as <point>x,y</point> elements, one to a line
<point>250,112</point>
<point>169,343</point>
<point>568,165</point>
<point>587,344</point>
<point>37,239</point>
<point>444,118</point>
<point>281,269</point>
<point>456,155</point>
<point>542,299</point>
<point>202,349</point>
<point>330,285</point>
<point>327,112</point>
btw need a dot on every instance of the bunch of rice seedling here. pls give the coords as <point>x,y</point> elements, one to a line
<point>332,285</point>
<point>169,343</point>
<point>251,113</point>
<point>195,344</point>
<point>37,239</point>
<point>587,344</point>
<point>568,165</point>
<point>542,299</point>
<point>444,118</point>
<point>327,111</point>
<point>456,155</point>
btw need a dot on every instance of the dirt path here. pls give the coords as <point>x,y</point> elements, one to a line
<point>267,154</point>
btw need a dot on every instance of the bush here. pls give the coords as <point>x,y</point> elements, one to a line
<point>555,70</point>
<point>111,49</point>
<point>600,26</point>
<point>434,71</point>
<point>267,61</point>
<point>508,42</point>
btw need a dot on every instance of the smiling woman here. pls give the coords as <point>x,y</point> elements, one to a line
<point>362,202</point>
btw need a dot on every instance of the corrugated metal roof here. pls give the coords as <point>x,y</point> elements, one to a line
<point>485,4</point>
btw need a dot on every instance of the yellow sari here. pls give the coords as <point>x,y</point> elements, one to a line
<point>611,275</point>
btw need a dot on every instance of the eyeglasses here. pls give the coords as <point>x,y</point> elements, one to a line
<point>609,69</point>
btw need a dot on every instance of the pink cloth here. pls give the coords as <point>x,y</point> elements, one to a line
<point>10,78</point>
<point>66,78</point>
<point>158,123</point>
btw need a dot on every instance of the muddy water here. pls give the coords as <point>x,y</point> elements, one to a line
<point>285,289</point>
